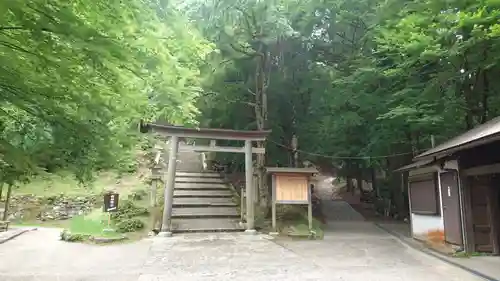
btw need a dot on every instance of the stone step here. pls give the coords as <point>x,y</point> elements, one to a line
<point>199,180</point>
<point>206,225</point>
<point>198,175</point>
<point>202,193</point>
<point>200,186</point>
<point>203,202</point>
<point>204,212</point>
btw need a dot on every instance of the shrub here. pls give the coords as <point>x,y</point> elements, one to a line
<point>129,225</point>
<point>128,167</point>
<point>127,209</point>
<point>73,237</point>
<point>138,194</point>
<point>290,212</point>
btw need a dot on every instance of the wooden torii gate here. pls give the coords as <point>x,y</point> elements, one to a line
<point>177,132</point>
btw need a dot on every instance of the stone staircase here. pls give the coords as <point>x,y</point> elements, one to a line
<point>203,202</point>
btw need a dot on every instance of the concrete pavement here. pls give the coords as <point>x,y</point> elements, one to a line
<point>352,249</point>
<point>357,251</point>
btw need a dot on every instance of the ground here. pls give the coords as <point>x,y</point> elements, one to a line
<point>351,250</point>
<point>94,222</point>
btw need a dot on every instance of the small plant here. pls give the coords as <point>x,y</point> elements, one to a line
<point>129,225</point>
<point>127,210</point>
<point>463,254</point>
<point>73,237</point>
<point>138,195</point>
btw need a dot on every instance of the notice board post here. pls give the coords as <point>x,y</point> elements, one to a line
<point>291,186</point>
<point>110,204</point>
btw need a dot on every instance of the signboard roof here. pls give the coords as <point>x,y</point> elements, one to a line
<point>274,170</point>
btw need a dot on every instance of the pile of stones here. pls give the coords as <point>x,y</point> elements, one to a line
<point>56,207</point>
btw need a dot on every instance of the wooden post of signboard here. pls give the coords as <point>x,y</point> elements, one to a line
<point>291,186</point>
<point>273,204</point>
<point>110,205</point>
<point>309,208</point>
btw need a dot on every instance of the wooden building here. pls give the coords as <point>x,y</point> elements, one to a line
<point>454,188</point>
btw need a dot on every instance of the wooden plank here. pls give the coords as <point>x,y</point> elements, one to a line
<point>492,196</point>
<point>273,203</point>
<point>481,213</point>
<point>198,175</point>
<point>205,148</point>
<point>204,133</point>
<point>482,170</point>
<point>467,214</point>
<point>199,180</point>
<point>291,170</point>
<point>291,188</point>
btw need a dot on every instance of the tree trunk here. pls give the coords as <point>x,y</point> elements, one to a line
<point>359,180</point>
<point>261,84</point>
<point>349,185</point>
<point>295,154</point>
<point>1,191</point>
<point>7,201</point>
<point>486,89</point>
<point>374,182</point>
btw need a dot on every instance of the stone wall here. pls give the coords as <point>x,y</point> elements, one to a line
<point>56,207</point>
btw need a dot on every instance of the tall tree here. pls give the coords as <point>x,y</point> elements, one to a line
<point>75,76</point>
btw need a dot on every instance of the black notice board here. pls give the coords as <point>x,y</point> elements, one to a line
<point>111,202</point>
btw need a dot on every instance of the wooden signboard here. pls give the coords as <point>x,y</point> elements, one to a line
<point>292,188</point>
<point>111,202</point>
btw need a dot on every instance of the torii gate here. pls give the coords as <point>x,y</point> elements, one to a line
<point>176,132</point>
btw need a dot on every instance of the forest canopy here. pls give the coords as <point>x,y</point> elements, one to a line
<point>77,76</point>
<point>360,85</point>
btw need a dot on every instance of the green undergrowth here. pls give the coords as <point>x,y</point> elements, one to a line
<point>132,221</point>
<point>292,221</point>
<point>470,255</point>
<point>65,183</point>
<point>300,229</point>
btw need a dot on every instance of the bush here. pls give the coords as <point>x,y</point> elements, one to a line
<point>129,225</point>
<point>147,143</point>
<point>290,212</point>
<point>127,209</point>
<point>138,195</point>
<point>73,237</point>
<point>128,167</point>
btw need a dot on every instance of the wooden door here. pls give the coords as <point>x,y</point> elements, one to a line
<point>451,208</point>
<point>481,219</point>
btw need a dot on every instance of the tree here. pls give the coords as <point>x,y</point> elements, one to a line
<point>76,76</point>
<point>366,83</point>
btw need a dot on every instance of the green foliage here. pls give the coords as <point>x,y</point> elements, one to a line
<point>138,194</point>
<point>73,237</point>
<point>129,225</point>
<point>352,80</point>
<point>128,209</point>
<point>76,77</point>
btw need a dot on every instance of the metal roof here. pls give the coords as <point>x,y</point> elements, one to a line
<point>204,133</point>
<point>482,134</point>
<point>415,165</point>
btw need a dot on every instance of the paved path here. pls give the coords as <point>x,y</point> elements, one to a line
<point>361,251</point>
<point>356,251</point>
<point>353,249</point>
